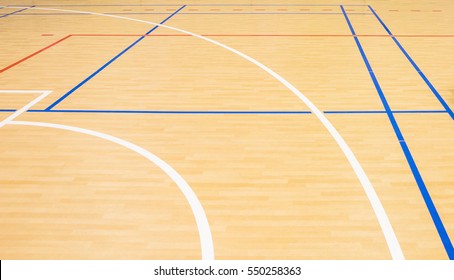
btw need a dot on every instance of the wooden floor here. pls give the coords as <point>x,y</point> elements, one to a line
<point>148,142</point>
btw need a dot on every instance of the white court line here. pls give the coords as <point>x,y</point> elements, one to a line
<point>380,213</point>
<point>196,206</point>
<point>44,93</point>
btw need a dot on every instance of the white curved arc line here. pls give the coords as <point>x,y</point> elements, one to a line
<point>206,241</point>
<point>380,213</point>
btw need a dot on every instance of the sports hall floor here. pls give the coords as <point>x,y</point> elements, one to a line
<point>238,129</point>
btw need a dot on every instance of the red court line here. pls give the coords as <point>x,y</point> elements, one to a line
<point>266,35</point>
<point>33,54</point>
<point>214,35</point>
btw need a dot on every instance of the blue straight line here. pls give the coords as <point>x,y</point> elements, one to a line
<point>244,13</point>
<point>416,174</point>
<point>15,12</point>
<point>110,62</point>
<point>419,111</point>
<point>383,112</point>
<point>178,112</point>
<point>194,13</point>
<point>227,112</point>
<point>200,5</point>
<point>428,83</point>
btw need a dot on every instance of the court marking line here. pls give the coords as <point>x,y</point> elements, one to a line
<point>196,207</point>
<point>13,13</point>
<point>225,112</point>
<point>10,118</point>
<point>58,101</point>
<point>33,54</point>
<point>195,5</point>
<point>210,35</point>
<point>384,112</point>
<point>385,224</point>
<point>262,35</point>
<point>415,66</point>
<point>406,150</point>
<point>203,227</point>
<point>180,112</point>
<point>196,13</point>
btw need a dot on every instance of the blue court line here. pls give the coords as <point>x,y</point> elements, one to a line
<point>411,162</point>
<point>179,112</point>
<point>200,5</point>
<point>15,12</point>
<point>428,83</point>
<point>110,61</point>
<point>384,112</point>
<point>228,112</point>
<point>196,13</point>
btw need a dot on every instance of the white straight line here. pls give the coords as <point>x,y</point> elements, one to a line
<point>26,107</point>
<point>380,213</point>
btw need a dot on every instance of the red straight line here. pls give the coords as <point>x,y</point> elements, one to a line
<point>33,54</point>
<point>264,35</point>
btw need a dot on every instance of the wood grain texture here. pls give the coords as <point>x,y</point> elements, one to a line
<point>273,186</point>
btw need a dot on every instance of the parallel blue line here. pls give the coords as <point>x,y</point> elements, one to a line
<point>411,162</point>
<point>201,5</point>
<point>194,13</point>
<point>15,12</point>
<point>229,112</point>
<point>419,111</point>
<point>110,62</point>
<point>413,63</point>
<point>178,112</point>
<point>383,112</point>
<point>244,13</point>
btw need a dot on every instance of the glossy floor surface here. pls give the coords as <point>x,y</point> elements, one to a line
<point>230,130</point>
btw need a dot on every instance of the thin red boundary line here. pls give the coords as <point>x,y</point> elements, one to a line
<point>33,54</point>
<point>262,35</point>
<point>212,35</point>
